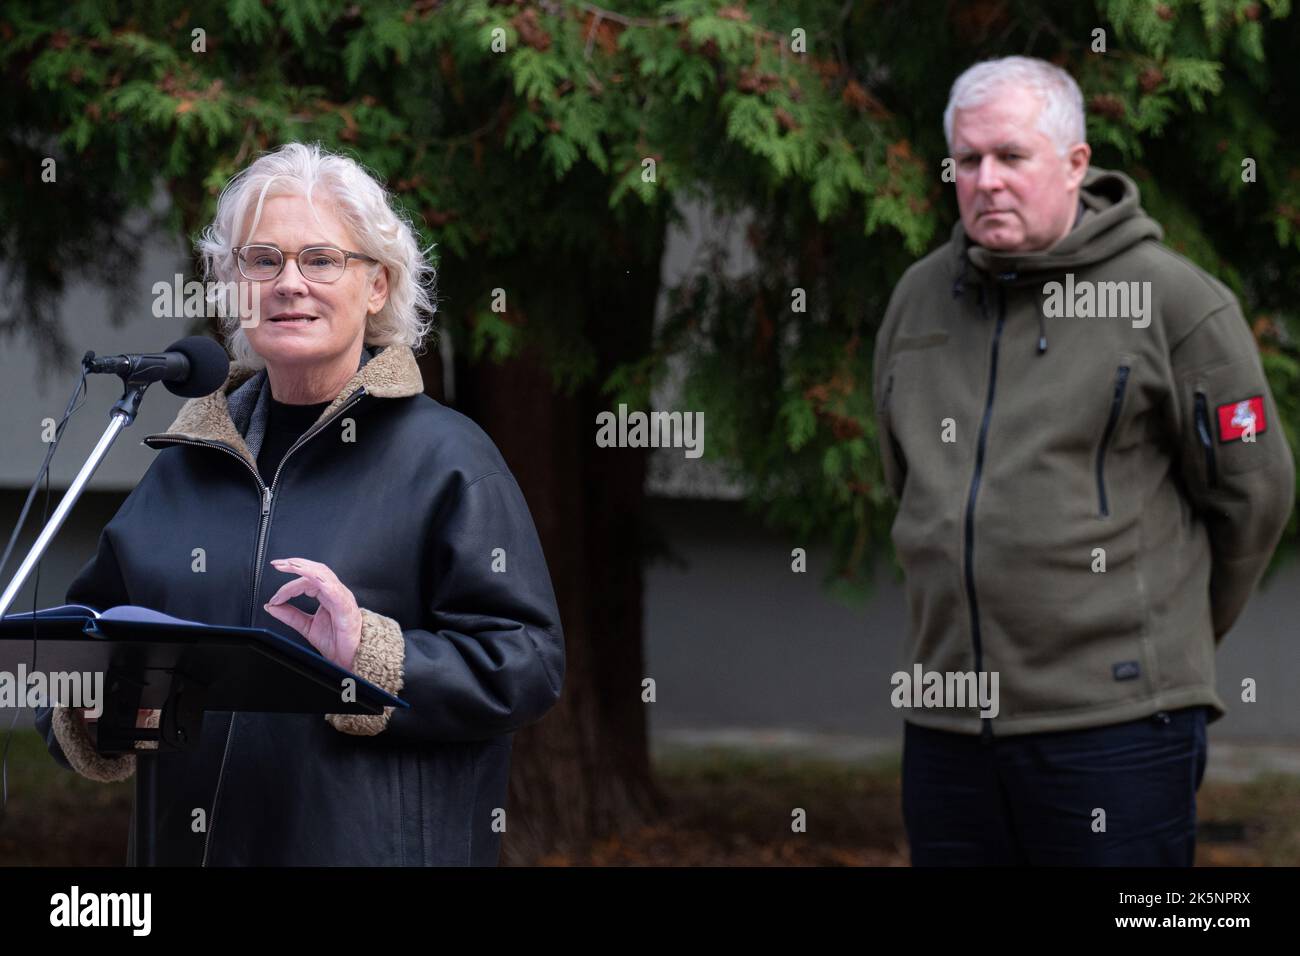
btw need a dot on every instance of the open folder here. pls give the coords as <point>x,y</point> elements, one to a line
<point>147,655</point>
<point>123,612</point>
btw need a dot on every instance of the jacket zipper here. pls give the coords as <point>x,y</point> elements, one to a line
<point>894,448</point>
<point>1121,382</point>
<point>986,724</point>
<point>263,524</point>
<point>1206,438</point>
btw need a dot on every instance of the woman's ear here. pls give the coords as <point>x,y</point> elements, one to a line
<point>378,291</point>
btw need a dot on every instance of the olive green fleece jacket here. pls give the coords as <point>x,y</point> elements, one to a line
<point>1081,506</point>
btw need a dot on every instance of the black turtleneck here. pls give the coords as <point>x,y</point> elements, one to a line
<point>285,424</point>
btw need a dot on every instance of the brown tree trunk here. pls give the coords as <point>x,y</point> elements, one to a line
<point>583,772</point>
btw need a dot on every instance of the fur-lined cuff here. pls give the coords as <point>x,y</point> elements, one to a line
<point>74,737</point>
<point>380,657</point>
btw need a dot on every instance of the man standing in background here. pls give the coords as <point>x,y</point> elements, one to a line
<point>1091,479</point>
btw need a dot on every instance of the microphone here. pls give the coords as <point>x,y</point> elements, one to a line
<point>190,368</point>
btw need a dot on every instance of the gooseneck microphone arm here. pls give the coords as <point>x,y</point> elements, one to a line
<point>191,367</point>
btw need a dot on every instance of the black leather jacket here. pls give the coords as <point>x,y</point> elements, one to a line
<point>407,501</point>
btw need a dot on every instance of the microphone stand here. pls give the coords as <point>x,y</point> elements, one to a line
<point>121,416</point>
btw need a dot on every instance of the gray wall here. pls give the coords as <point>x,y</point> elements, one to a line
<point>735,639</point>
<point>32,392</point>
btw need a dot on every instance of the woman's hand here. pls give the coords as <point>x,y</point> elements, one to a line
<point>144,717</point>
<point>335,628</point>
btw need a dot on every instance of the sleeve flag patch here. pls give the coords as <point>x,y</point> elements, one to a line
<point>1236,417</point>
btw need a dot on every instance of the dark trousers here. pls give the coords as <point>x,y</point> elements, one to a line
<point>1033,799</point>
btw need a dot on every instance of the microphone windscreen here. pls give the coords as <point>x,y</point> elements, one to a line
<point>209,366</point>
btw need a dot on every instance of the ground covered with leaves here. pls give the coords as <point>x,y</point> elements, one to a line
<point>726,809</point>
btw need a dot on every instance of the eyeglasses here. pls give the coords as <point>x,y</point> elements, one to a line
<point>317,263</point>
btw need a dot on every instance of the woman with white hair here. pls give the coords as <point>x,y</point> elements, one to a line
<point>333,502</point>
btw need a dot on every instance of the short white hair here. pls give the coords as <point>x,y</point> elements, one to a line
<point>361,202</point>
<point>1061,118</point>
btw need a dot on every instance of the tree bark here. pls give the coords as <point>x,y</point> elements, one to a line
<point>583,772</point>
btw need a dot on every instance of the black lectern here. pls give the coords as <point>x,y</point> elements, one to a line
<point>184,669</point>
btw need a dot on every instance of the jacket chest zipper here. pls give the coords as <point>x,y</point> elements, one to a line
<point>1116,403</point>
<point>986,724</point>
<point>893,442</point>
<point>1206,438</point>
<point>264,522</point>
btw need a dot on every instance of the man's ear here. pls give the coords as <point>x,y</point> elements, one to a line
<point>378,291</point>
<point>1077,159</point>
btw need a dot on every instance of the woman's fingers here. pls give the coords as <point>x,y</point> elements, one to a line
<point>294,588</point>
<point>145,717</point>
<point>311,569</point>
<point>282,611</point>
<point>300,621</point>
<point>317,581</point>
<point>335,627</point>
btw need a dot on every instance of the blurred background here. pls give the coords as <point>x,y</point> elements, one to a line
<point>694,205</point>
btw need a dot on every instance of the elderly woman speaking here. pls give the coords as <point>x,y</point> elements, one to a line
<point>321,472</point>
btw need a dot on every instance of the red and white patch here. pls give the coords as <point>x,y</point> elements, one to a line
<point>1236,417</point>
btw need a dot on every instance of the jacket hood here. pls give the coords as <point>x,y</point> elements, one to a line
<point>1113,220</point>
<point>224,415</point>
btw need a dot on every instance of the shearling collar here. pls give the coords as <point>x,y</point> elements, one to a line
<point>390,372</point>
